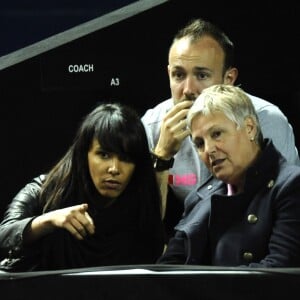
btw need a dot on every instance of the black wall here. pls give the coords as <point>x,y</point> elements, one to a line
<point>42,103</point>
<point>23,23</point>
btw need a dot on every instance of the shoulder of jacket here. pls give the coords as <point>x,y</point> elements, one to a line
<point>202,192</point>
<point>160,108</point>
<point>39,179</point>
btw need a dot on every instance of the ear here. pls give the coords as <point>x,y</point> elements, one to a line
<point>231,76</point>
<point>168,70</point>
<point>250,127</point>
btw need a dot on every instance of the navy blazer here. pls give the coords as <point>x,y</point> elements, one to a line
<point>257,228</point>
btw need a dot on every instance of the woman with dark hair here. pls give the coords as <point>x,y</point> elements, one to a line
<point>99,205</point>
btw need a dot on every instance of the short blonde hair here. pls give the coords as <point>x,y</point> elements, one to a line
<point>228,99</point>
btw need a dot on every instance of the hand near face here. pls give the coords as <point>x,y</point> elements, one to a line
<point>173,130</point>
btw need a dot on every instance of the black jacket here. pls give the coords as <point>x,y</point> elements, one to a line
<point>118,239</point>
<point>257,228</point>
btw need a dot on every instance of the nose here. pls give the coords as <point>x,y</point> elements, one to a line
<point>114,166</point>
<point>190,89</point>
<point>210,148</point>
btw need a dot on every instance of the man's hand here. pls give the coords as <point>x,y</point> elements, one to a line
<point>173,130</point>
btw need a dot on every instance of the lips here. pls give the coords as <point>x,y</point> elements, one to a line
<point>112,184</point>
<point>217,162</point>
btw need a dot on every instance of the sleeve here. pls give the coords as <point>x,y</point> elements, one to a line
<point>20,212</point>
<point>148,128</point>
<point>284,242</point>
<point>175,252</point>
<point>274,125</point>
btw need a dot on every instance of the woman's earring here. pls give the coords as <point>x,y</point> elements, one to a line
<point>252,139</point>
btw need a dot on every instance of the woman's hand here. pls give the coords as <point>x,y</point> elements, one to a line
<point>74,219</point>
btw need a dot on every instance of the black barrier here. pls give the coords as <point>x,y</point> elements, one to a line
<point>153,282</point>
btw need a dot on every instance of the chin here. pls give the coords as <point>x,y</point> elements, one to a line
<point>113,195</point>
<point>220,176</point>
<point>110,193</point>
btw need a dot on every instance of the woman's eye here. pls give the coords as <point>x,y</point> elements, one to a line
<point>125,158</point>
<point>103,154</point>
<point>216,134</point>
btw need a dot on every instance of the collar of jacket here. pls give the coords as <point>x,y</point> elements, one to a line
<point>198,202</point>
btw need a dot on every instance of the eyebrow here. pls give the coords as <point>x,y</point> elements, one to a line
<point>194,68</point>
<point>201,69</point>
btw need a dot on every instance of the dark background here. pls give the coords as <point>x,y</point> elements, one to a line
<point>42,104</point>
<point>23,23</point>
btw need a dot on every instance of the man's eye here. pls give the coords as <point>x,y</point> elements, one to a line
<point>178,75</point>
<point>201,76</point>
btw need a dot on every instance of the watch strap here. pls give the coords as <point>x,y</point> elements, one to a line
<point>161,164</point>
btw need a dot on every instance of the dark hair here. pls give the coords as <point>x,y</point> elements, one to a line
<point>196,28</point>
<point>118,129</point>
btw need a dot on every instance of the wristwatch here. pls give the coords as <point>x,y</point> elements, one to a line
<point>161,164</point>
